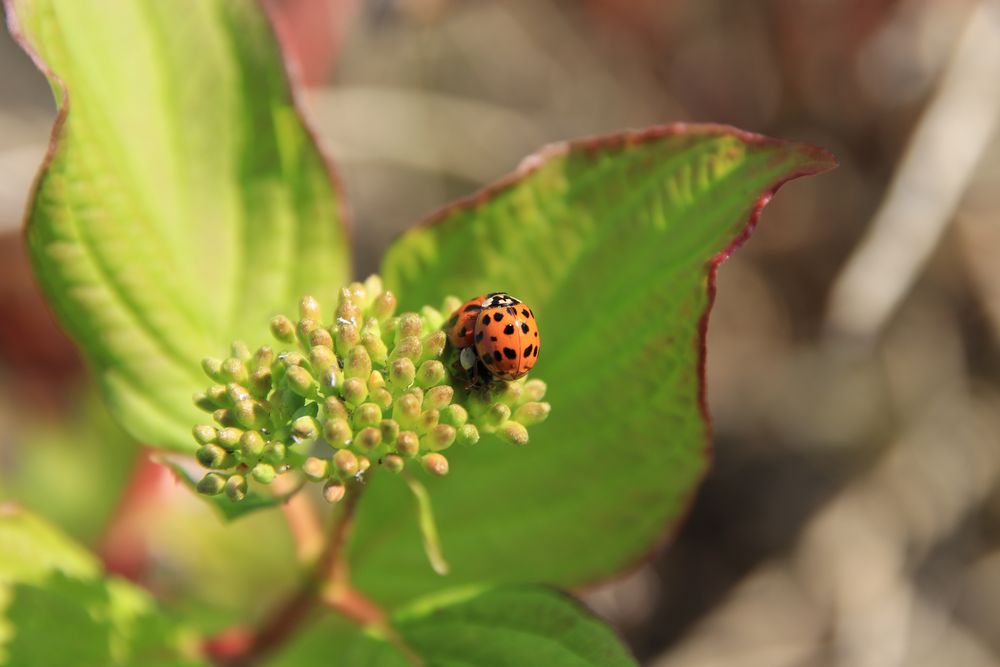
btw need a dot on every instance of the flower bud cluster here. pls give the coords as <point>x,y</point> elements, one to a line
<point>333,400</point>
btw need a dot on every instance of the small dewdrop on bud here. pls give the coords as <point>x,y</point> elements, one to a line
<point>301,382</point>
<point>393,462</point>
<point>204,434</point>
<point>367,414</point>
<point>229,438</point>
<point>236,488</point>
<point>358,364</point>
<point>453,414</point>
<point>435,464</point>
<point>309,309</point>
<point>369,438</point>
<point>467,435</point>
<point>402,373</point>
<point>316,468</point>
<point>211,484</point>
<point>355,391</point>
<point>408,444</point>
<point>389,428</point>
<point>264,473</point>
<point>305,429</point>
<point>532,413</point>
<point>252,445</point>
<point>514,433</point>
<point>211,456</point>
<point>337,432</point>
<point>534,390</point>
<point>334,491</point>
<point>430,373</point>
<point>440,437</point>
<point>321,337</point>
<point>436,398</point>
<point>234,370</point>
<point>345,462</point>
<point>283,329</point>
<point>434,344</point>
<point>212,368</point>
<point>274,452</point>
<point>384,306</point>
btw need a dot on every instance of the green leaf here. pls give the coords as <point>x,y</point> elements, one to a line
<point>182,203</point>
<point>614,243</point>
<point>55,604</point>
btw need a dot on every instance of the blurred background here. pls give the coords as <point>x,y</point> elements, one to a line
<point>853,514</point>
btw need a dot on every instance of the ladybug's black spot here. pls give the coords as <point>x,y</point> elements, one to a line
<point>509,353</point>
<point>486,360</point>
<point>472,306</point>
<point>486,319</point>
<point>479,336</point>
<point>512,311</point>
<point>536,334</point>
<point>462,332</point>
<point>496,354</point>
<point>493,338</point>
<point>524,311</point>
<point>536,352</point>
<point>524,328</point>
<point>527,350</point>
<point>497,317</point>
<point>509,329</point>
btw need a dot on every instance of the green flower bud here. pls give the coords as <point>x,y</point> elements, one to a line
<point>534,390</point>
<point>393,462</point>
<point>358,364</point>
<point>367,414</point>
<point>211,456</point>
<point>376,347</point>
<point>408,325</point>
<point>218,394</point>
<point>332,379</point>
<point>337,432</point>
<point>384,305</point>
<point>511,393</point>
<point>224,417</point>
<point>363,464</point>
<point>250,414</point>
<point>229,438</point>
<point>321,338</point>
<point>435,464</point>
<point>375,381</point>
<point>263,357</point>
<point>204,434</point>
<point>212,368</point>
<point>467,435</point>
<point>347,309</point>
<point>203,402</point>
<point>305,429</point>
<point>355,391</point>
<point>236,488</point>
<point>292,358</point>
<point>454,415</point>
<point>373,287</point>
<point>432,317</point>
<point>322,358</point>
<point>430,373</point>
<point>433,345</point>
<point>436,398</point>
<point>408,347</point>
<point>514,433</point>
<point>346,337</point>
<point>406,410</point>
<point>234,370</point>
<point>274,452</point>
<point>369,438</point>
<point>389,429</point>
<point>402,373</point>
<point>211,484</point>
<point>260,382</point>
<point>264,473</point>
<point>334,491</point>
<point>450,305</point>
<point>283,329</point>
<point>428,420</point>
<point>301,382</point>
<point>345,462</point>
<point>408,444</point>
<point>381,397</point>
<point>532,413</point>
<point>252,445</point>
<point>438,438</point>
<point>334,409</point>
<point>496,415</point>
<point>236,393</point>
<point>304,329</point>
<point>239,350</point>
<point>359,294</point>
<point>316,468</point>
<point>309,309</point>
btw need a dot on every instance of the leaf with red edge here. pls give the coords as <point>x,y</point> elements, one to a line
<point>614,243</point>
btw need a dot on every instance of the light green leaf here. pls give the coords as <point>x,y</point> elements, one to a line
<point>55,606</point>
<point>614,243</point>
<point>182,203</point>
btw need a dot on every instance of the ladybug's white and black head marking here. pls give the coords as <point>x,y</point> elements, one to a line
<point>500,300</point>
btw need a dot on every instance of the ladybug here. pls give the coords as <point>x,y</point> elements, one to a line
<point>506,337</point>
<point>462,324</point>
